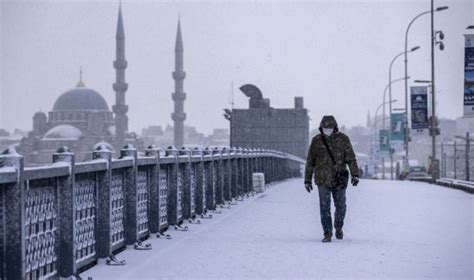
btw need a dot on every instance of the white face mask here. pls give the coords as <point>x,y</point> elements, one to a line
<point>328,131</point>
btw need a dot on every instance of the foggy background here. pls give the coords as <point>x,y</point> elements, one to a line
<point>335,54</point>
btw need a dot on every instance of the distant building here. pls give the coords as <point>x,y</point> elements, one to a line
<point>153,130</point>
<point>218,137</point>
<point>163,138</point>
<point>261,126</point>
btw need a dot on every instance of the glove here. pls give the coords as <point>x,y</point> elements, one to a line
<point>308,187</point>
<point>355,181</point>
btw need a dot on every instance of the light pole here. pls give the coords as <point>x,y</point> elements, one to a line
<point>384,94</point>
<point>406,71</point>
<point>383,105</point>
<point>435,165</point>
<point>390,97</point>
<point>375,129</point>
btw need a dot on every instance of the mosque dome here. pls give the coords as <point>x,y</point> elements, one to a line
<point>63,132</point>
<point>80,98</point>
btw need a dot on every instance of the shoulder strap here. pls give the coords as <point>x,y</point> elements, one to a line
<point>329,150</point>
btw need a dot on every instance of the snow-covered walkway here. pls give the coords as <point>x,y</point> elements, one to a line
<point>392,230</point>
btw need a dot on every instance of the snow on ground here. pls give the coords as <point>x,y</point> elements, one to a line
<point>392,230</point>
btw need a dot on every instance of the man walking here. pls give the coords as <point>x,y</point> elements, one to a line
<point>328,155</point>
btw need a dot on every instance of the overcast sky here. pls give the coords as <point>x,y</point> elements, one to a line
<point>335,54</point>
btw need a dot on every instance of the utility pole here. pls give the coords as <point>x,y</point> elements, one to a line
<point>433,103</point>
<point>443,161</point>
<point>468,144</point>
<point>455,160</point>
<point>468,141</point>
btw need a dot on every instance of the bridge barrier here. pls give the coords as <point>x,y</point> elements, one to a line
<point>466,186</point>
<point>59,219</point>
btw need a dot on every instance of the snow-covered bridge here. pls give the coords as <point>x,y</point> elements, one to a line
<point>393,229</point>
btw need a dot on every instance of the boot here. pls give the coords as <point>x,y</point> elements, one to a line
<point>339,233</point>
<point>327,237</point>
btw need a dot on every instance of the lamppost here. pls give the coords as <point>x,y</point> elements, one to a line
<point>383,119</point>
<point>383,105</point>
<point>384,94</point>
<point>435,172</point>
<point>406,67</point>
<point>390,97</point>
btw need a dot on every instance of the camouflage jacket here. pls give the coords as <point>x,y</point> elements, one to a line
<point>319,162</point>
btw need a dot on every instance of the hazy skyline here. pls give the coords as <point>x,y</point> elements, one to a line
<point>334,54</point>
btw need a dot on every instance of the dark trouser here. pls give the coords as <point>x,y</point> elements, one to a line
<point>339,196</point>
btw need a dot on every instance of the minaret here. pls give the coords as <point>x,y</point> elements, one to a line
<point>120,86</point>
<point>178,95</point>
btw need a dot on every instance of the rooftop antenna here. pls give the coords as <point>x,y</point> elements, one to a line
<point>231,101</point>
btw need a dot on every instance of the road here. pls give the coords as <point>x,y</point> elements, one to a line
<point>392,230</point>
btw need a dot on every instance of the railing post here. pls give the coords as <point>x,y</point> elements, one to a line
<point>130,197</point>
<point>13,238</point>
<point>219,173</point>
<point>233,174</point>
<point>175,214</point>
<point>201,181</point>
<point>210,169</point>
<point>240,172</point>
<point>66,190</point>
<point>253,167</point>
<point>154,190</point>
<point>248,174</point>
<point>104,206</point>
<point>189,183</point>
<point>226,190</point>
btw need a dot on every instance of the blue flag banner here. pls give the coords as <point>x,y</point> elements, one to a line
<point>397,123</point>
<point>383,139</point>
<point>469,76</point>
<point>419,107</point>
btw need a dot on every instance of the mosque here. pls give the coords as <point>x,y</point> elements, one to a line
<point>81,118</point>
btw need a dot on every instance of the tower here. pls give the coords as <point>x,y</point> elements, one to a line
<point>369,121</point>
<point>120,86</point>
<point>178,95</point>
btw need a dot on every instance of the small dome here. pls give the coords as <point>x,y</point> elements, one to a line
<point>104,144</point>
<point>64,131</point>
<point>80,99</point>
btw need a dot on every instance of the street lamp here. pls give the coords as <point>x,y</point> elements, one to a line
<point>435,165</point>
<point>390,98</point>
<point>384,94</point>
<point>406,69</point>
<point>383,119</point>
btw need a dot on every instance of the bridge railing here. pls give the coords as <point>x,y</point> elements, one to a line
<point>59,219</point>
<point>467,186</point>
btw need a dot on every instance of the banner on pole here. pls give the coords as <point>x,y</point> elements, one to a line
<point>383,140</point>
<point>397,124</point>
<point>469,75</point>
<point>419,107</point>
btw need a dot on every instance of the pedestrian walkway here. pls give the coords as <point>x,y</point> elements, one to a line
<point>392,230</point>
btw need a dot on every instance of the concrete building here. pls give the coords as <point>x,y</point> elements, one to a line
<point>261,126</point>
